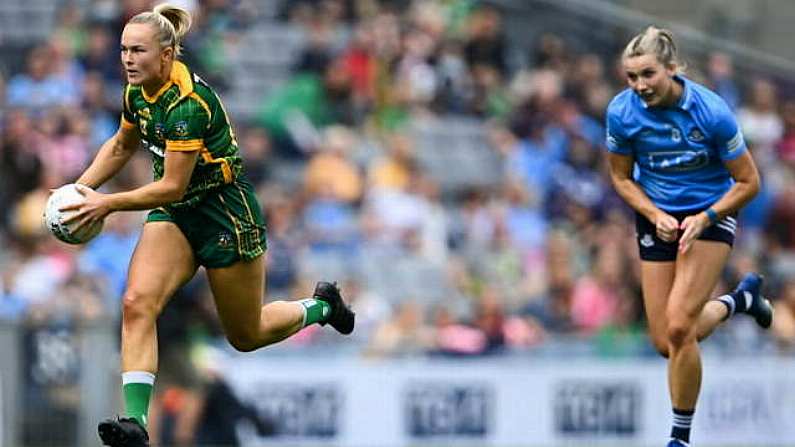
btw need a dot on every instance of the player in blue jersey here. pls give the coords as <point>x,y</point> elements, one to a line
<point>679,160</point>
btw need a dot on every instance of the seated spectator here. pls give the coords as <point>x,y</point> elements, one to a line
<point>330,172</point>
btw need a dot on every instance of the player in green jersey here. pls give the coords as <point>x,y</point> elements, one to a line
<point>204,213</point>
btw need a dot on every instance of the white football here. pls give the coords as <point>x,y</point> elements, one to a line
<point>53,219</point>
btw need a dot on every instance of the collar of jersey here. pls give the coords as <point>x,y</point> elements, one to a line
<point>687,94</point>
<point>179,76</point>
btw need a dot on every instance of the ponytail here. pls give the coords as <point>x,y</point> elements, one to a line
<point>171,23</point>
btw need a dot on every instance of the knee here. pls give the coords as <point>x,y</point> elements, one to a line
<point>661,345</point>
<point>244,343</point>
<point>139,306</point>
<point>680,332</point>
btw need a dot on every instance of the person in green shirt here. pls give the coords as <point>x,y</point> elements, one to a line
<point>203,213</point>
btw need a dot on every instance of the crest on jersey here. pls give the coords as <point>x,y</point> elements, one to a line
<point>145,113</point>
<point>224,239</point>
<point>142,125</point>
<point>181,129</point>
<point>695,135</point>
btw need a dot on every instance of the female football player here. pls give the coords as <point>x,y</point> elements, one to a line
<point>693,173</point>
<point>203,213</point>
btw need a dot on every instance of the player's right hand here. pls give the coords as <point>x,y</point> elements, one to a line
<point>667,226</point>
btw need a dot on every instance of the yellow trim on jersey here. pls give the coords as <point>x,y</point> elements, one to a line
<point>127,99</point>
<point>126,124</point>
<point>225,169</point>
<point>180,75</point>
<point>185,145</point>
<point>248,211</point>
<point>152,99</point>
<point>235,223</point>
<point>204,104</point>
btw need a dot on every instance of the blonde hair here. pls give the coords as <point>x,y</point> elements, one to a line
<point>658,42</point>
<point>171,23</point>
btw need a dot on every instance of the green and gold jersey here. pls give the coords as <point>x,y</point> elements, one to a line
<point>185,115</point>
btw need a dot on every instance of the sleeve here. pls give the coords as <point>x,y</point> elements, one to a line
<point>127,116</point>
<point>186,126</point>
<point>727,134</point>
<point>616,139</point>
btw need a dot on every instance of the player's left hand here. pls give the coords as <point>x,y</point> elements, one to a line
<point>691,228</point>
<point>94,209</point>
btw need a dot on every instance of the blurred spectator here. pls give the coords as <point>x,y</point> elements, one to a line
<point>596,297</point>
<point>762,127</point>
<point>404,334</point>
<point>394,169</point>
<point>486,45</point>
<point>720,75</point>
<point>255,145</point>
<point>12,307</point>
<point>108,255</point>
<point>42,85</point>
<point>786,146</point>
<point>330,172</point>
<point>332,185</point>
<point>784,318</point>
<point>21,167</point>
<point>100,55</point>
<point>283,244</point>
<point>101,113</point>
<point>293,114</point>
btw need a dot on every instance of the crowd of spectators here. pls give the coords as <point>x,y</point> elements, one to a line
<point>542,252</point>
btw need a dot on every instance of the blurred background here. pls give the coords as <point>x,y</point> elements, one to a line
<point>443,160</point>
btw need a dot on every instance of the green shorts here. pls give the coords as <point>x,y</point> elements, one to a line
<point>225,227</point>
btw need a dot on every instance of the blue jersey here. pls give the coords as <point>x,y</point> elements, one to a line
<point>678,151</point>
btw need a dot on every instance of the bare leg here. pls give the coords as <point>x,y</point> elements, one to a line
<point>657,279</point>
<point>697,273</point>
<point>162,263</point>
<point>238,291</point>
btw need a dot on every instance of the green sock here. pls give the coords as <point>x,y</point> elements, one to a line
<point>315,311</point>
<point>137,387</point>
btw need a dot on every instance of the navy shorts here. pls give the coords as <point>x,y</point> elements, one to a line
<point>652,248</point>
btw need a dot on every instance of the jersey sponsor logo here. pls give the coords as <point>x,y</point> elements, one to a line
<point>677,161</point>
<point>647,240</point>
<point>145,113</point>
<point>157,150</point>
